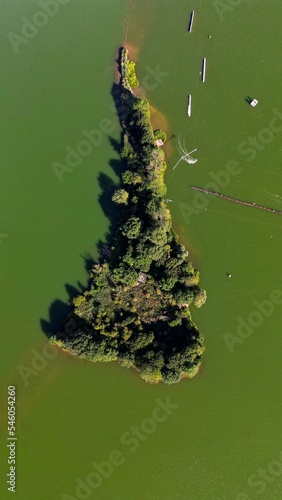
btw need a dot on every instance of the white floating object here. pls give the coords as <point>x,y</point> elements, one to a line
<point>204,69</point>
<point>254,102</point>
<point>189,105</point>
<point>185,155</point>
<point>191,21</point>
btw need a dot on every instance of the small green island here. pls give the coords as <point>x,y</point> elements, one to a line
<point>136,307</point>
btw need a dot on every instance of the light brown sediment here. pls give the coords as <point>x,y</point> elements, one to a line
<point>234,200</point>
<point>133,51</point>
<point>138,21</point>
<point>158,119</point>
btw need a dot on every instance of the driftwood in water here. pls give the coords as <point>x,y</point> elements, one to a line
<point>248,204</point>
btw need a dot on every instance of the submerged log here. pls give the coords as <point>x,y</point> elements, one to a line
<point>248,204</point>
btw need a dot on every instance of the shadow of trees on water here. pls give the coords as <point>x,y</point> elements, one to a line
<point>59,309</point>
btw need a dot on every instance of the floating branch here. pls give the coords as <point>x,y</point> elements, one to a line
<point>248,204</point>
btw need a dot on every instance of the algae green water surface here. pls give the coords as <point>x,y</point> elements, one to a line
<point>225,426</point>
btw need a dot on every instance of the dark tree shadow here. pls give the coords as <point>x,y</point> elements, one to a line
<point>57,312</point>
<point>115,91</point>
<point>59,309</point>
<point>115,144</point>
<point>80,286</point>
<point>123,112</point>
<point>88,262</point>
<point>117,166</point>
<point>72,291</point>
<point>110,210</point>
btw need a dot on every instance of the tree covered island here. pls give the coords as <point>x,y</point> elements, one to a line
<point>136,308</point>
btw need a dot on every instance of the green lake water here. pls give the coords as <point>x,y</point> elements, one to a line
<point>70,413</point>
